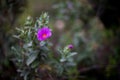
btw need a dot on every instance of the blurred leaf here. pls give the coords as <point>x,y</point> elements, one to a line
<point>62,59</point>
<point>71,54</point>
<point>31,58</point>
<point>35,64</point>
<point>26,76</point>
<point>16,36</point>
<point>42,43</point>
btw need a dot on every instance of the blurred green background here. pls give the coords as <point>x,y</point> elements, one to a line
<point>92,26</point>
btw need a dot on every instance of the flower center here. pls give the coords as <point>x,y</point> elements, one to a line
<point>44,35</point>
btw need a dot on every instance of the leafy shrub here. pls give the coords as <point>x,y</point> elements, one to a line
<point>33,56</point>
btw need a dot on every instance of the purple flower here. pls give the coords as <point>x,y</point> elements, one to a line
<point>44,33</point>
<point>70,46</point>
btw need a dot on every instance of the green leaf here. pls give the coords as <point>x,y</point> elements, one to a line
<point>26,76</point>
<point>16,36</point>
<point>71,54</point>
<point>31,58</point>
<point>42,43</point>
<point>35,64</point>
<point>62,59</point>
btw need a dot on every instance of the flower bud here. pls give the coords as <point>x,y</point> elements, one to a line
<point>70,46</point>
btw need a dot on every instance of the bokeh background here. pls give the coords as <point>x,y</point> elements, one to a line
<point>92,26</point>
